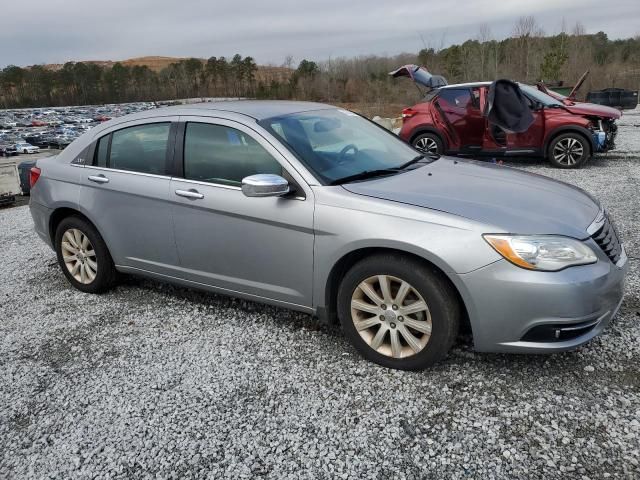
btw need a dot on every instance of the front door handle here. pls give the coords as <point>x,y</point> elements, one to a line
<point>99,179</point>
<point>193,194</point>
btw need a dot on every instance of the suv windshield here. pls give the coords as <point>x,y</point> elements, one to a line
<point>337,144</point>
<point>537,95</point>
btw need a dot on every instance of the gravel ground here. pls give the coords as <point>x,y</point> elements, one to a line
<point>152,381</point>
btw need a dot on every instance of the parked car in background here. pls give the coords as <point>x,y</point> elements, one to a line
<point>37,141</point>
<point>24,147</point>
<point>404,248</point>
<point>8,149</point>
<point>451,119</point>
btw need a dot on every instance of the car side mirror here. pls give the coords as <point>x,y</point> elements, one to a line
<point>537,105</point>
<point>265,185</point>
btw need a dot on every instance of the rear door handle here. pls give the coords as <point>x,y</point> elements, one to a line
<point>99,179</point>
<point>193,194</point>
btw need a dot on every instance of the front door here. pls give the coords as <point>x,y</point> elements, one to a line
<point>260,247</point>
<point>125,191</point>
<point>530,140</point>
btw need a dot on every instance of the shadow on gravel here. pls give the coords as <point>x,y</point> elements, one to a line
<point>289,318</point>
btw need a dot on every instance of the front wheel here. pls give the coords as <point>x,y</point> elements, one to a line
<point>429,143</point>
<point>398,312</point>
<point>569,150</point>
<point>83,256</point>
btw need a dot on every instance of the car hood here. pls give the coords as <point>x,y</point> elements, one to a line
<point>504,198</point>
<point>593,109</point>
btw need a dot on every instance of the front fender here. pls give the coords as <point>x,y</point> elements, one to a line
<point>453,244</point>
<point>567,129</point>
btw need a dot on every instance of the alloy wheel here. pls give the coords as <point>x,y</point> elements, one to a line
<point>79,256</point>
<point>427,145</point>
<point>391,316</point>
<point>568,151</point>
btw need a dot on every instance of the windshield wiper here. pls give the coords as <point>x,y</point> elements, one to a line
<point>411,162</point>
<point>376,173</point>
<point>364,175</point>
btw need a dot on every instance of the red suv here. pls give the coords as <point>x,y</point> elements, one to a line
<point>451,120</point>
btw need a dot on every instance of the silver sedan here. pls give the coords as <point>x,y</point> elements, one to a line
<point>315,208</point>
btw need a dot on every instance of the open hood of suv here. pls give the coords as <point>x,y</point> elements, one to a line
<point>420,76</point>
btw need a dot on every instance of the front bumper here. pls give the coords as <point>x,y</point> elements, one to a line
<point>509,306</point>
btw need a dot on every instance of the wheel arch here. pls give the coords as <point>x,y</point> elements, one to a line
<point>583,132</point>
<point>60,214</point>
<point>347,261</point>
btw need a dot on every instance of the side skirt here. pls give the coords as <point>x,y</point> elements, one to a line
<point>210,288</point>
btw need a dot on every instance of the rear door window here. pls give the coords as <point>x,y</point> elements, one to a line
<point>142,148</point>
<point>455,97</point>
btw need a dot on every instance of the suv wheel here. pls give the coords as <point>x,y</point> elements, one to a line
<point>83,256</point>
<point>428,143</point>
<point>398,313</point>
<point>569,150</point>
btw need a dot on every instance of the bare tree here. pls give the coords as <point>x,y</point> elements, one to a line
<point>484,37</point>
<point>524,31</point>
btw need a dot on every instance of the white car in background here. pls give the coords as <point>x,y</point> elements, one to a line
<point>26,148</point>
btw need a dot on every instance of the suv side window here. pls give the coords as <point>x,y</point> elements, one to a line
<point>455,97</point>
<point>142,148</point>
<point>224,155</point>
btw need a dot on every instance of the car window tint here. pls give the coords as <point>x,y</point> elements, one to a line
<point>142,148</point>
<point>219,154</point>
<point>458,98</point>
<point>101,151</point>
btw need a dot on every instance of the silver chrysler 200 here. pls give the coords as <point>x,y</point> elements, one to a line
<point>317,209</point>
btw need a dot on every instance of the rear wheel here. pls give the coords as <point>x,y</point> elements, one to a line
<point>397,312</point>
<point>569,150</point>
<point>83,256</point>
<point>429,143</point>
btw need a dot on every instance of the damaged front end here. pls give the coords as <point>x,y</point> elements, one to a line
<point>604,132</point>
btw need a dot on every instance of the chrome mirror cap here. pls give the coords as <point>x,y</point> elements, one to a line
<point>264,185</point>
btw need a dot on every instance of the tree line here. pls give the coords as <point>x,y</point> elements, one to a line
<point>528,55</point>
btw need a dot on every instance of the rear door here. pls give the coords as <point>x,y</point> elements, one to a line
<point>261,247</point>
<point>125,193</point>
<point>460,108</point>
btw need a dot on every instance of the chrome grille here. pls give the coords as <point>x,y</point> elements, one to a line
<point>607,238</point>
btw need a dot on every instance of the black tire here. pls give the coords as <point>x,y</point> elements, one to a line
<point>106,274</point>
<point>428,143</point>
<point>438,294</point>
<point>575,148</point>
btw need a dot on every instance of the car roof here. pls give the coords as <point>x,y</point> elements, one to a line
<point>466,85</point>
<point>258,109</point>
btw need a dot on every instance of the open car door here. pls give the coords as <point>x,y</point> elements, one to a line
<point>511,123</point>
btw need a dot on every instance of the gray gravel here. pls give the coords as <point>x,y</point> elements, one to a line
<point>152,381</point>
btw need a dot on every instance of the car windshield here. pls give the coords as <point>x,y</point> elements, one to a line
<point>337,144</point>
<point>537,95</point>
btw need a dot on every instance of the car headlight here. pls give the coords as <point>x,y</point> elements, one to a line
<point>548,253</point>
